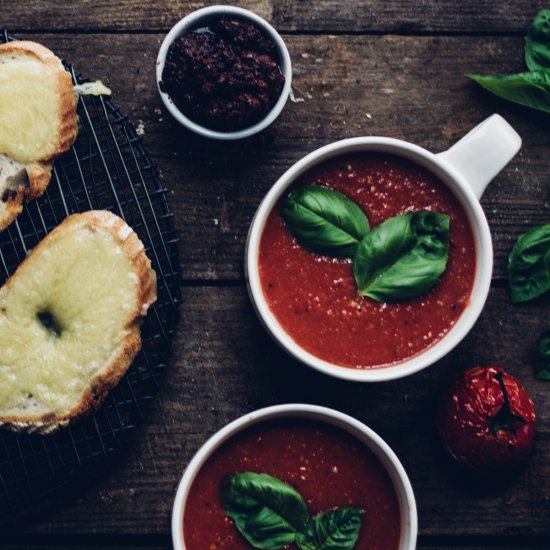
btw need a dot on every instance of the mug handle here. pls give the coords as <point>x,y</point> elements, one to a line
<point>483,152</point>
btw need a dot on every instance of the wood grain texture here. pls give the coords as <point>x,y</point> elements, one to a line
<point>360,68</point>
<point>350,86</point>
<point>226,365</point>
<point>393,16</point>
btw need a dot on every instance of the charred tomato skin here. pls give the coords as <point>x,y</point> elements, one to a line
<point>486,420</point>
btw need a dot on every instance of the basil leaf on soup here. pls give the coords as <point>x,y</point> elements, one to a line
<point>333,530</point>
<point>531,89</point>
<point>537,42</point>
<point>543,356</point>
<point>529,265</point>
<point>324,220</point>
<point>403,257</point>
<point>266,511</point>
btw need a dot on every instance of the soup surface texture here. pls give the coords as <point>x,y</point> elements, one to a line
<point>327,466</point>
<point>315,298</point>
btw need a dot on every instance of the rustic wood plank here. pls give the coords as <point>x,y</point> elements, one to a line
<point>351,85</point>
<point>287,15</point>
<point>226,365</point>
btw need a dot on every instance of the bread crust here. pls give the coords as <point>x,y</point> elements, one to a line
<point>111,373</point>
<point>67,100</point>
<point>39,172</point>
<point>38,177</point>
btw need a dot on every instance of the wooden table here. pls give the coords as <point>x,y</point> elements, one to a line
<point>384,67</point>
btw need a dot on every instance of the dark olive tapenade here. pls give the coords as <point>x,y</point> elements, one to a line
<point>225,76</point>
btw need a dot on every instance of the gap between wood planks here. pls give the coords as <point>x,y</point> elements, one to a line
<point>286,32</point>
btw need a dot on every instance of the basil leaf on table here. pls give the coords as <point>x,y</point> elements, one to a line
<point>529,265</point>
<point>333,530</point>
<point>266,511</point>
<point>543,356</point>
<point>403,257</point>
<point>537,42</point>
<point>324,220</point>
<point>531,89</point>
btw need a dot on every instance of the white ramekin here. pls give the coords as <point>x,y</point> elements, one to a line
<point>200,18</point>
<point>466,169</point>
<point>388,459</point>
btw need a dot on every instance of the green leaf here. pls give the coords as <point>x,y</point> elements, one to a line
<point>334,530</point>
<point>324,220</point>
<point>543,356</point>
<point>537,42</point>
<point>265,510</point>
<point>531,89</point>
<point>403,257</point>
<point>529,265</point>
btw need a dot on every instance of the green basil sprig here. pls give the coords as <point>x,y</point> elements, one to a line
<point>403,257</point>
<point>543,356</point>
<point>271,515</point>
<point>537,42</point>
<point>529,265</point>
<point>333,530</point>
<point>532,88</point>
<point>265,510</point>
<point>324,220</point>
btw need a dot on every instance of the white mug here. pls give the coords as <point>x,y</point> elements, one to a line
<point>466,169</point>
<point>371,440</point>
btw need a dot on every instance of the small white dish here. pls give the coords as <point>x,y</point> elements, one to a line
<point>200,18</point>
<point>466,169</point>
<point>388,459</point>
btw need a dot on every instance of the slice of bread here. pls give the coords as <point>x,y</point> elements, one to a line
<point>69,321</point>
<point>38,121</point>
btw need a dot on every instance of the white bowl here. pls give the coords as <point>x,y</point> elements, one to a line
<point>200,18</point>
<point>388,459</point>
<point>465,169</point>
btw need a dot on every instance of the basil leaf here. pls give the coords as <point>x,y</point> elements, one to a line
<point>531,89</point>
<point>403,257</point>
<point>537,42</point>
<point>543,356</point>
<point>324,220</point>
<point>265,510</point>
<point>334,530</point>
<point>529,265</point>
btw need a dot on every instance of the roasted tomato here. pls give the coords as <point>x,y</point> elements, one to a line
<point>486,420</point>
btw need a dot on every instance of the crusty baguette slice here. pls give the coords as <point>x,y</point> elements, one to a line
<point>38,121</point>
<point>69,321</point>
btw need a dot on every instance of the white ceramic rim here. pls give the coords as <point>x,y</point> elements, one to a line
<point>382,451</point>
<point>192,21</point>
<point>483,244</point>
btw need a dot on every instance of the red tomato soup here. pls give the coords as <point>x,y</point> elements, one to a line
<point>327,466</point>
<point>315,298</point>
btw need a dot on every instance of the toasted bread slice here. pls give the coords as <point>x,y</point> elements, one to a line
<point>38,121</point>
<point>69,321</point>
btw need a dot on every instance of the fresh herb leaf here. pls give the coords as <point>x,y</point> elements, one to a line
<point>324,220</point>
<point>543,356</point>
<point>333,530</point>
<point>529,265</point>
<point>537,42</point>
<point>403,257</point>
<point>265,510</point>
<point>531,89</point>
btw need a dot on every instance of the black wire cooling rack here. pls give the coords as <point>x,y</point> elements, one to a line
<point>106,168</point>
